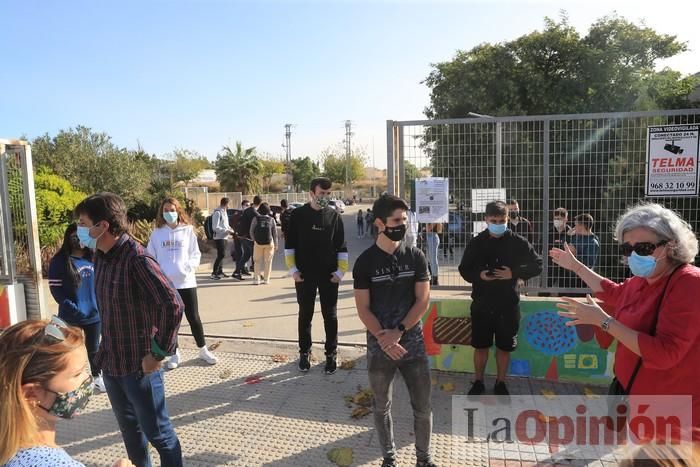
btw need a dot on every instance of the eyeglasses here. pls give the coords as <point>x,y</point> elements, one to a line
<point>641,248</point>
<point>53,329</point>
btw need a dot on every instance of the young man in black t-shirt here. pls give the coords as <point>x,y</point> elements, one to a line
<point>492,263</point>
<point>317,258</point>
<point>392,289</point>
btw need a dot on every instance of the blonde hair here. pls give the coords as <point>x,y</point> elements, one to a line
<point>182,217</point>
<point>28,357</point>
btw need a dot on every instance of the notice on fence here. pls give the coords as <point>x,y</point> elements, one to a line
<point>432,200</point>
<point>482,197</point>
<point>672,160</point>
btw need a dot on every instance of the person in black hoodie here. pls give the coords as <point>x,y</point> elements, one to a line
<point>71,282</point>
<point>492,263</point>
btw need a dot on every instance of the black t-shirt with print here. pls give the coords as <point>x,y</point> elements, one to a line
<point>391,280</point>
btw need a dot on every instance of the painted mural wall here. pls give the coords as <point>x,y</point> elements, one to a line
<point>546,347</point>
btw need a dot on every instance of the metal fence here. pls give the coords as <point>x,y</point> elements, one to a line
<point>208,201</point>
<point>20,256</point>
<point>588,163</point>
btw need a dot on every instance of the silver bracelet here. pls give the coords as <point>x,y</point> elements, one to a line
<point>605,325</point>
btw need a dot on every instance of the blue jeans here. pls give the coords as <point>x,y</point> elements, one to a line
<point>433,242</point>
<point>416,374</point>
<point>138,402</point>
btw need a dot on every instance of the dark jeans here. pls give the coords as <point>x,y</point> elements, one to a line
<point>189,298</point>
<point>416,374</point>
<point>246,253</point>
<point>138,402</point>
<point>306,298</point>
<point>92,342</point>
<point>220,254</point>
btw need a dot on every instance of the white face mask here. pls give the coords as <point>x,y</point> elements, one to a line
<point>558,224</point>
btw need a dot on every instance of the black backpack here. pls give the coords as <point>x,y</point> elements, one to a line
<point>209,228</point>
<point>285,217</point>
<point>262,234</point>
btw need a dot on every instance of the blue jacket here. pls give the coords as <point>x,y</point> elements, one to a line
<point>76,307</point>
<point>587,249</point>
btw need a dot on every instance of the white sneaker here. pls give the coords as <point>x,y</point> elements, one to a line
<point>206,355</point>
<point>266,281</point>
<point>174,361</point>
<point>257,280</point>
<point>99,383</point>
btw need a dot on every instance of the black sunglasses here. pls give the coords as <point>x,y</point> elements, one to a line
<point>642,248</point>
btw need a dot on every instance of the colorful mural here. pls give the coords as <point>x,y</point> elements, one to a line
<point>547,348</point>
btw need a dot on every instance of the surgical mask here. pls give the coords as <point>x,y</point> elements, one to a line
<point>395,234</point>
<point>514,214</point>
<point>498,229</point>
<point>85,238</point>
<point>69,404</point>
<point>322,201</point>
<point>170,217</point>
<point>558,224</point>
<point>642,266</point>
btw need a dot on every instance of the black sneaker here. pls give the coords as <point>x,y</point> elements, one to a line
<point>389,462</point>
<point>477,388</point>
<point>223,274</point>
<point>426,464</point>
<point>245,272</point>
<point>500,389</point>
<point>331,364</point>
<point>304,362</point>
<point>237,275</point>
<point>215,277</point>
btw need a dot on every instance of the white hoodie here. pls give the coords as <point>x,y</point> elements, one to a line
<point>177,252</point>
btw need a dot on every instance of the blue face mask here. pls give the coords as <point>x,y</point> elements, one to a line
<point>641,266</point>
<point>498,229</point>
<point>170,217</point>
<point>85,239</point>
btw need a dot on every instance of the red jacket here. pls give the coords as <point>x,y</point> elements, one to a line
<point>670,358</point>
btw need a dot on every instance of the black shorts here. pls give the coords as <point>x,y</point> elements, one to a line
<point>499,321</point>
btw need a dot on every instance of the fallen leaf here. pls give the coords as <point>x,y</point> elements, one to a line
<point>347,364</point>
<point>360,412</point>
<point>248,324</point>
<point>548,393</point>
<point>363,398</point>
<point>349,398</point>
<point>215,346</point>
<point>225,374</point>
<point>342,457</point>
<point>254,379</point>
<point>588,392</point>
<point>447,387</point>
<point>280,358</point>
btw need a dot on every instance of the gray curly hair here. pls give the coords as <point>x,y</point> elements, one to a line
<point>665,223</point>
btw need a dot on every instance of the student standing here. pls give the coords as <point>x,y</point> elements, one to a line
<point>174,245</point>
<point>492,263</point>
<point>72,285</point>
<point>317,258</point>
<point>222,230</point>
<point>392,289</point>
<point>263,231</point>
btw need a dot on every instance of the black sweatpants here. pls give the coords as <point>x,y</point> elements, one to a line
<point>306,298</point>
<point>189,298</point>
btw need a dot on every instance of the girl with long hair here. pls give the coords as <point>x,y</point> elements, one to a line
<point>72,285</point>
<point>174,245</point>
<point>43,369</point>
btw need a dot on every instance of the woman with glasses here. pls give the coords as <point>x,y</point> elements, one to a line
<point>44,376</point>
<point>655,315</point>
<point>72,285</point>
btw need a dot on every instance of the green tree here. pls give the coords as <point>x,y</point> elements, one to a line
<point>182,165</point>
<point>270,167</point>
<point>238,169</point>
<point>55,201</point>
<point>303,171</point>
<point>335,164</point>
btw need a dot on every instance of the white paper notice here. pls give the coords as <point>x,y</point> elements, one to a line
<point>432,200</point>
<point>482,197</point>
<point>672,160</point>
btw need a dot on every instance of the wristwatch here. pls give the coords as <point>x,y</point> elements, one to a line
<point>401,328</point>
<point>605,325</point>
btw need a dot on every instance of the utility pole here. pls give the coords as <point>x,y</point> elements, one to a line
<point>348,153</point>
<point>288,146</point>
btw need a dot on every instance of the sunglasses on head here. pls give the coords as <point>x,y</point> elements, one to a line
<point>641,248</point>
<point>54,329</point>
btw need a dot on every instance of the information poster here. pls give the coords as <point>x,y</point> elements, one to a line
<point>672,160</point>
<point>432,200</point>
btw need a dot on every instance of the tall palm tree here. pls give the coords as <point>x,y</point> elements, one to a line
<point>238,169</point>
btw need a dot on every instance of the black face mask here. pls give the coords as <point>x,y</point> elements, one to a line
<point>514,214</point>
<point>395,234</point>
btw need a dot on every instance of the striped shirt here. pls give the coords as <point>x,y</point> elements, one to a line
<point>137,302</point>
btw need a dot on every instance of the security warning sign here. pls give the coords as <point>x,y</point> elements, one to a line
<point>672,160</point>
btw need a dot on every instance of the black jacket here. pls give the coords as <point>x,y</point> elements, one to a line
<point>485,252</point>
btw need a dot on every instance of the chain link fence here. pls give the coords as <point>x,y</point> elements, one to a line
<point>208,201</point>
<point>587,164</point>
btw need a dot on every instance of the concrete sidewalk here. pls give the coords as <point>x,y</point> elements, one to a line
<point>255,409</point>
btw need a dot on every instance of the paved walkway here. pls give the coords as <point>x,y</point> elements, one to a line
<point>255,409</point>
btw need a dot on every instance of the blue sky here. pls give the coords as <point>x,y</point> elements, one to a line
<point>201,74</point>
